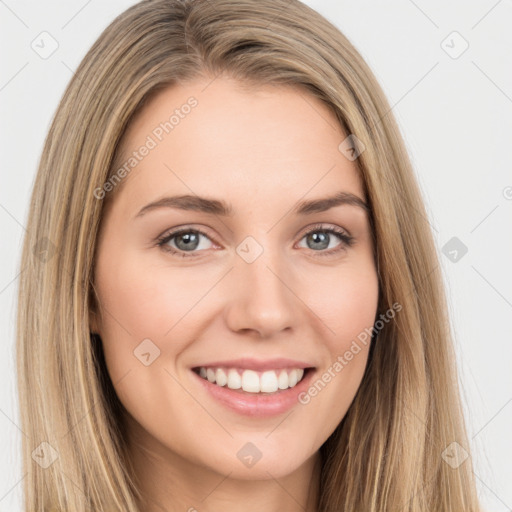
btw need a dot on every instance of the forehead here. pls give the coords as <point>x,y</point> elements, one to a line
<point>221,138</point>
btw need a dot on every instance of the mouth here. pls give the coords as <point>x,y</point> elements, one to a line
<point>255,388</point>
<point>253,382</point>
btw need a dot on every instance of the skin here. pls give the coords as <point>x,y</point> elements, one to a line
<point>261,151</point>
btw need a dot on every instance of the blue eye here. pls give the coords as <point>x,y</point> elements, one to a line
<point>185,240</point>
<point>320,238</point>
<point>188,240</point>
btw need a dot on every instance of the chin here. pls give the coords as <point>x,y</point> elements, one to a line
<point>259,460</point>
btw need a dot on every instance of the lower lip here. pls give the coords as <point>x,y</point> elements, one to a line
<point>258,405</point>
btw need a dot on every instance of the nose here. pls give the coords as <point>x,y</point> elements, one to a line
<point>261,297</point>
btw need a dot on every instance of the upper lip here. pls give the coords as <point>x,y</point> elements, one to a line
<point>257,364</point>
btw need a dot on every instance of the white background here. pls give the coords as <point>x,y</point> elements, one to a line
<point>454,113</point>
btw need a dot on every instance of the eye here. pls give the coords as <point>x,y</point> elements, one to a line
<point>319,238</point>
<point>185,240</point>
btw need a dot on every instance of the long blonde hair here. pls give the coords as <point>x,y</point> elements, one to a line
<point>387,452</point>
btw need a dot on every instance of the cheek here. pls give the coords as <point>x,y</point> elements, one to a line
<point>345,298</point>
<point>146,310</point>
<point>346,301</point>
<point>143,300</point>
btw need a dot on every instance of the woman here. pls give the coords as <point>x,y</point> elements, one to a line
<point>240,302</point>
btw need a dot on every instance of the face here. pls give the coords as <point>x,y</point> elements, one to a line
<point>241,283</point>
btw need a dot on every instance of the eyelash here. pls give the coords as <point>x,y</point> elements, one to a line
<point>347,240</point>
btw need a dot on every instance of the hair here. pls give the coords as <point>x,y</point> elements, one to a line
<point>386,453</point>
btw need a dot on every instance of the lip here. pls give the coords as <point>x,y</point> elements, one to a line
<point>257,405</point>
<point>247,363</point>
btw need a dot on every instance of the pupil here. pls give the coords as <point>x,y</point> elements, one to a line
<point>189,239</point>
<point>320,238</point>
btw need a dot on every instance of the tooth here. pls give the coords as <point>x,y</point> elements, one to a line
<point>210,374</point>
<point>268,382</point>
<point>253,382</point>
<point>250,381</point>
<point>283,380</point>
<point>221,377</point>
<point>234,379</point>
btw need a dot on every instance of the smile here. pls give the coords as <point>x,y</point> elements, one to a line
<point>250,381</point>
<point>260,393</point>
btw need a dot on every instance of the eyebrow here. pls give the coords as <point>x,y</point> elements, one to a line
<point>221,208</point>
